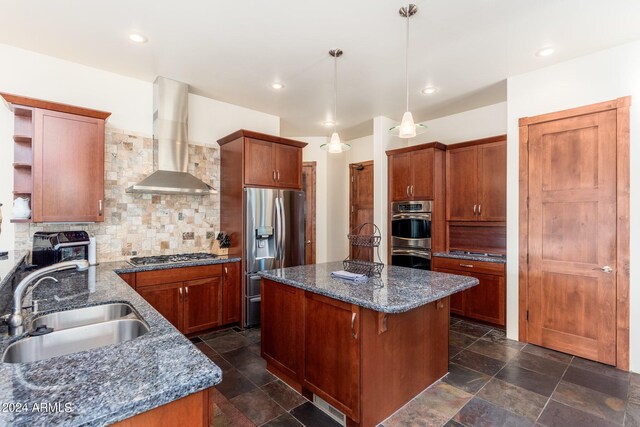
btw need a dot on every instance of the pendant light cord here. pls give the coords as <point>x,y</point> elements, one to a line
<point>406,59</point>
<point>335,93</point>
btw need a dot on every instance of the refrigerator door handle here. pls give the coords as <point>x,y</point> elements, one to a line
<point>283,231</point>
<point>278,242</point>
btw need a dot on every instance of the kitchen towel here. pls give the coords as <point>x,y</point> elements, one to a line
<point>349,276</point>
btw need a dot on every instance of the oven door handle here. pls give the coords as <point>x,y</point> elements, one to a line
<point>419,254</point>
<point>424,216</point>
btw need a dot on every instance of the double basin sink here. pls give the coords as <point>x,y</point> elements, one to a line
<point>77,330</point>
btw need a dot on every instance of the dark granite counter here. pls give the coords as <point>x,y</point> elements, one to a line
<point>9,264</point>
<point>125,267</point>
<point>399,289</point>
<point>470,257</point>
<point>104,385</point>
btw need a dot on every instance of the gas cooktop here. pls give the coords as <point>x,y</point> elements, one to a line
<point>171,259</point>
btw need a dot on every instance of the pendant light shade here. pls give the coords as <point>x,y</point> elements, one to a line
<point>335,145</point>
<point>407,128</point>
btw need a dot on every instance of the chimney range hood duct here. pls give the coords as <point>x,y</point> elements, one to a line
<point>170,144</point>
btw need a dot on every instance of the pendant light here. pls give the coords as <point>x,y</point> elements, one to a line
<point>335,145</point>
<point>407,128</point>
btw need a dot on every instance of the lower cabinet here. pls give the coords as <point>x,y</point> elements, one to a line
<point>487,300</point>
<point>332,352</point>
<point>364,363</point>
<point>193,299</point>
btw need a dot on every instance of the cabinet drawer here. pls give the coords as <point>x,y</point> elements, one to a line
<point>495,268</point>
<point>156,277</point>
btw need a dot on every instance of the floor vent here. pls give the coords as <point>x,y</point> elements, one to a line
<point>330,410</point>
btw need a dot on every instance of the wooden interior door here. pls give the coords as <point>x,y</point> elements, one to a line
<point>202,304</point>
<point>462,184</point>
<point>492,181</point>
<point>361,202</point>
<point>572,235</point>
<point>309,187</point>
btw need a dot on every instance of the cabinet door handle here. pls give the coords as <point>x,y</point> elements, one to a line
<point>479,209</point>
<point>186,293</point>
<point>407,191</point>
<point>353,325</point>
<point>412,191</point>
<point>100,207</point>
<point>278,174</point>
<point>226,271</point>
<point>180,292</point>
<point>475,209</point>
<point>466,265</point>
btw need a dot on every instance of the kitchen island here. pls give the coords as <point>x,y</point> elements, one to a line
<point>366,348</point>
<point>157,378</point>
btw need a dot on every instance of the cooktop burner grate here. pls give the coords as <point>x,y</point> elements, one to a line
<point>171,259</point>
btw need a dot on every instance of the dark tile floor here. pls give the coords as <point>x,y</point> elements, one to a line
<point>492,381</point>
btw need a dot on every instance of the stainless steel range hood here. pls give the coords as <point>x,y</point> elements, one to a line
<point>170,143</point>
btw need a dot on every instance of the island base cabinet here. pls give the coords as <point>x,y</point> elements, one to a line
<point>191,410</point>
<point>282,323</point>
<point>332,352</point>
<point>365,363</point>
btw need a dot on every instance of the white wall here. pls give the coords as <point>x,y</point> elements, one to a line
<point>466,126</point>
<point>129,101</point>
<point>602,76</point>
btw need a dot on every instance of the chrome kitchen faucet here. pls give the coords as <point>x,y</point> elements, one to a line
<point>16,320</point>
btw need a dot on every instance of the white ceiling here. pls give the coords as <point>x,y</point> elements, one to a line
<point>232,51</point>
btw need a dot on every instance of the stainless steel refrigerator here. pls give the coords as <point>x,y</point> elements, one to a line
<point>274,238</point>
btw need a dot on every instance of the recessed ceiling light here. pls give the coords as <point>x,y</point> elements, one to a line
<point>429,90</point>
<point>545,51</point>
<point>328,123</point>
<point>138,38</point>
<point>277,86</point>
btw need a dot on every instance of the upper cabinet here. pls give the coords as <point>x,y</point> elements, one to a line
<point>58,160</point>
<point>476,180</point>
<point>412,171</point>
<point>269,161</point>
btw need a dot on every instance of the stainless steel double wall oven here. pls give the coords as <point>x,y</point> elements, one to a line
<point>411,234</point>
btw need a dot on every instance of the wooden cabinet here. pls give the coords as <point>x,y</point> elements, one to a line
<point>476,180</point>
<point>411,173</point>
<point>365,363</point>
<point>282,329</point>
<point>58,160</point>
<point>487,300</point>
<point>332,352</point>
<point>193,299</point>
<point>269,164</point>
<point>231,293</point>
<point>202,304</point>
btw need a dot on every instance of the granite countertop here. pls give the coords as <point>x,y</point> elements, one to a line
<point>9,264</point>
<point>399,289</point>
<point>125,267</point>
<point>472,257</point>
<point>108,384</point>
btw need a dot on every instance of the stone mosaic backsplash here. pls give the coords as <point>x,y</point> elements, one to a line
<point>145,224</point>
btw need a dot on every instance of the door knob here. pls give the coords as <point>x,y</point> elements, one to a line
<point>308,242</point>
<point>605,269</point>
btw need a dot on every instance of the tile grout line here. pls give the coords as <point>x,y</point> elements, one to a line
<point>554,390</point>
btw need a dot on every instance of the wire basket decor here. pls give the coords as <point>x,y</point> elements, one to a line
<point>358,238</point>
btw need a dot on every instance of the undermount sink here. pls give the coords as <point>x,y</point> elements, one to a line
<point>77,330</point>
<point>60,320</point>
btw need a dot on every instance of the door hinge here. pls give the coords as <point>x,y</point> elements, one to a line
<point>527,315</point>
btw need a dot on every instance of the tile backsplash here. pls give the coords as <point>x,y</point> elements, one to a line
<point>145,224</point>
